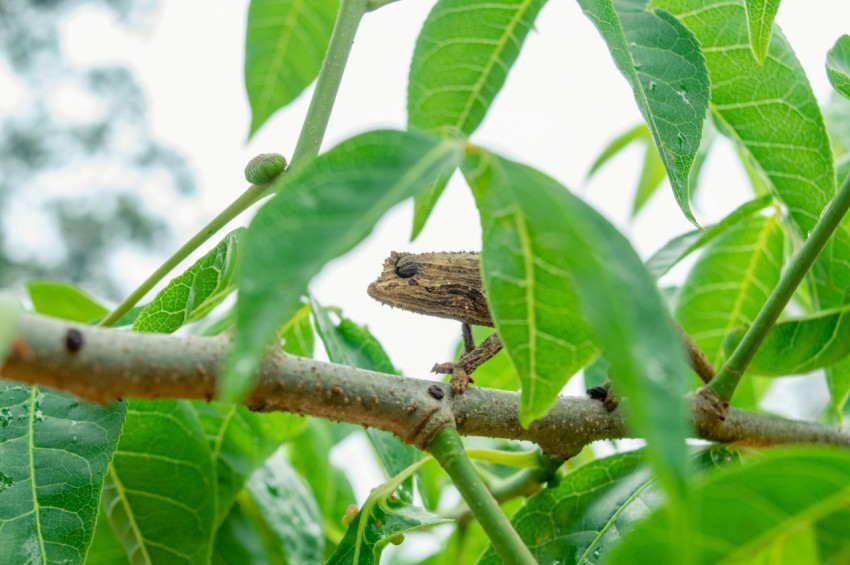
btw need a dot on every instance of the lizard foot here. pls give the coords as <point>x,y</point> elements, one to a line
<point>460,378</point>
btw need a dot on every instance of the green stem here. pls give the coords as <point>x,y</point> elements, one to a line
<point>327,85</point>
<point>307,147</point>
<point>730,375</point>
<point>447,449</point>
<point>254,193</point>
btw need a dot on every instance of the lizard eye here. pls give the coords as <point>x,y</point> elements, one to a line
<point>406,266</point>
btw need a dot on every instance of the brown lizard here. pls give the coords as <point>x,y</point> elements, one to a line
<point>448,285</point>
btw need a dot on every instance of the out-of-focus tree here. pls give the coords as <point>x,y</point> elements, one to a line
<point>74,128</point>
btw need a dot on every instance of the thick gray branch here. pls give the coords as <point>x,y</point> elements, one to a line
<point>102,364</point>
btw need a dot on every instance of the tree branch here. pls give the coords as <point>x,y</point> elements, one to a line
<point>100,365</point>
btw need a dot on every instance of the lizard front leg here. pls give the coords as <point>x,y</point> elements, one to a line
<point>473,358</point>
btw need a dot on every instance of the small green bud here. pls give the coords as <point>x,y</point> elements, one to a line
<point>264,168</point>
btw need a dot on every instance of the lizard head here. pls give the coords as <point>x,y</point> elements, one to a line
<point>447,285</point>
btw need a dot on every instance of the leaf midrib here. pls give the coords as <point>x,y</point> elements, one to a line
<point>36,507</point>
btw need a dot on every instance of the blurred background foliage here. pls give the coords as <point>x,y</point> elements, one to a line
<point>75,153</point>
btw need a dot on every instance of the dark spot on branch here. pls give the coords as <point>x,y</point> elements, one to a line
<point>436,392</point>
<point>74,340</point>
<point>598,393</point>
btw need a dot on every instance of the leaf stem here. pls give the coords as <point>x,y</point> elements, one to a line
<point>447,449</point>
<point>330,77</point>
<point>307,147</point>
<point>254,193</point>
<point>730,374</point>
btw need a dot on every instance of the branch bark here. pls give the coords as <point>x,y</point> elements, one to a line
<point>101,365</point>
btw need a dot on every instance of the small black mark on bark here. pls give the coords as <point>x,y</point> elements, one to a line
<point>74,340</point>
<point>598,393</point>
<point>436,392</point>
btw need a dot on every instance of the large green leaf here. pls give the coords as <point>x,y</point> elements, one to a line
<point>240,440</point>
<point>63,300</point>
<point>54,452</point>
<point>160,493</point>
<point>768,109</point>
<point>730,282</point>
<point>663,64</point>
<point>760,16</point>
<point>244,537</point>
<point>586,512</point>
<point>542,245</point>
<point>347,343</point>
<point>194,293</point>
<point>741,512</point>
<point>322,210</point>
<point>800,345</point>
<point>288,505</point>
<point>105,548</point>
<point>463,55</point>
<point>672,252</point>
<point>309,454</point>
<point>525,270</point>
<point>838,65</point>
<point>285,44</point>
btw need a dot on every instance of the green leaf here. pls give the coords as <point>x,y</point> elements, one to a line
<point>290,509</point>
<point>347,343</point>
<point>730,282</point>
<point>838,65</point>
<point>297,333</point>
<point>741,512</point>
<point>382,518</point>
<point>760,16</point>
<point>652,171</point>
<point>65,301</point>
<point>309,454</point>
<point>838,383</point>
<point>768,109</point>
<point>462,57</point>
<point>240,441</point>
<point>160,493</point>
<point>795,547</point>
<point>321,211</point>
<point>54,452</point>
<point>619,143</point>
<point>586,512</point>
<point>651,174</point>
<point>285,44</point>
<point>10,312</point>
<point>244,537</point>
<point>664,65</point>
<point>105,548</point>
<point>541,246</point>
<point>800,345</point>
<point>524,267</point>
<point>424,202</point>
<point>681,246</point>
<point>194,293</point>
<point>836,115</point>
